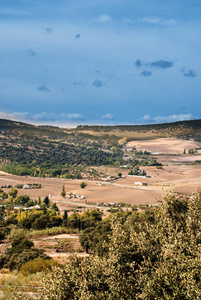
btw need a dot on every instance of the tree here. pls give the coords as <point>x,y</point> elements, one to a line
<point>119,174</point>
<point>63,192</point>
<point>2,236</point>
<point>22,199</point>
<point>41,222</point>
<point>157,257</point>
<point>13,192</point>
<point>46,201</point>
<point>83,185</point>
<point>144,173</point>
<point>4,196</point>
<point>39,200</point>
<point>65,216</point>
<point>54,207</point>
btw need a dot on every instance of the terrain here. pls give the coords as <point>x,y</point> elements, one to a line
<point>127,170</point>
<point>97,154</point>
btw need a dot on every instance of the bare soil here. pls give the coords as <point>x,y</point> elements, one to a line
<point>163,145</point>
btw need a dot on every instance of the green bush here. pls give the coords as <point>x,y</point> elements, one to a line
<point>38,265</point>
<point>155,255</point>
<point>83,185</point>
<point>159,167</point>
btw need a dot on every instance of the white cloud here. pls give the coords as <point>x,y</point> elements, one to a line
<point>41,117</point>
<point>146,117</point>
<point>74,116</point>
<point>18,116</point>
<point>108,117</point>
<point>168,119</point>
<point>103,19</point>
<point>158,21</point>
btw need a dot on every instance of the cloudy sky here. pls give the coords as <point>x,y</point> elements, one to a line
<point>100,61</point>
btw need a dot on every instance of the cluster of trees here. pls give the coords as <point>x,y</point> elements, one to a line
<point>28,149</point>
<point>22,251</point>
<point>48,216</point>
<point>137,171</point>
<point>13,198</point>
<point>150,255</point>
<point>67,171</point>
<point>150,161</point>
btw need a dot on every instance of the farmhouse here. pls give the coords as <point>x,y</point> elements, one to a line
<point>141,183</point>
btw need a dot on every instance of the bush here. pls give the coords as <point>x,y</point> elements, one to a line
<point>155,258</point>
<point>83,185</point>
<point>159,167</point>
<point>38,265</point>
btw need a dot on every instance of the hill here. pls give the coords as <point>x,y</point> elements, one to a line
<point>180,129</point>
<point>54,148</point>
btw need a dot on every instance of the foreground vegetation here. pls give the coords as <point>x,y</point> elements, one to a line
<point>153,256</point>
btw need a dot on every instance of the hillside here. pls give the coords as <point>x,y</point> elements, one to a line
<point>181,129</point>
<point>55,148</point>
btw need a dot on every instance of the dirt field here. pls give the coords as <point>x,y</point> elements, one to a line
<point>163,145</point>
<point>178,159</point>
<point>60,246</point>
<point>182,178</point>
<point>177,174</point>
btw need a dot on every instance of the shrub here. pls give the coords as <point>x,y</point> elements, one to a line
<point>155,258</point>
<point>38,265</point>
<point>83,185</point>
<point>159,167</point>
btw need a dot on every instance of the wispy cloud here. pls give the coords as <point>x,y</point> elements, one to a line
<point>97,83</point>
<point>77,36</point>
<point>77,83</point>
<point>103,18</point>
<point>31,52</point>
<point>146,73</point>
<point>43,88</point>
<point>73,117</point>
<point>157,21</point>
<point>108,117</point>
<point>168,119</point>
<point>139,63</point>
<point>47,30</point>
<point>188,73</point>
<point>160,64</point>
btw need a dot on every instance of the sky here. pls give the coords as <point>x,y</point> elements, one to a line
<point>70,62</point>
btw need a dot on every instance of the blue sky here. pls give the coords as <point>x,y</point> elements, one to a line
<point>100,62</point>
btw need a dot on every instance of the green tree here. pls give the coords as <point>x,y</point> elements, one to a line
<point>46,201</point>
<point>65,216</point>
<point>39,200</point>
<point>83,185</point>
<point>54,207</point>
<point>2,235</point>
<point>4,196</point>
<point>13,192</point>
<point>22,199</point>
<point>155,257</point>
<point>63,192</point>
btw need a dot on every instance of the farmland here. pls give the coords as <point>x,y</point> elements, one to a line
<point>135,170</point>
